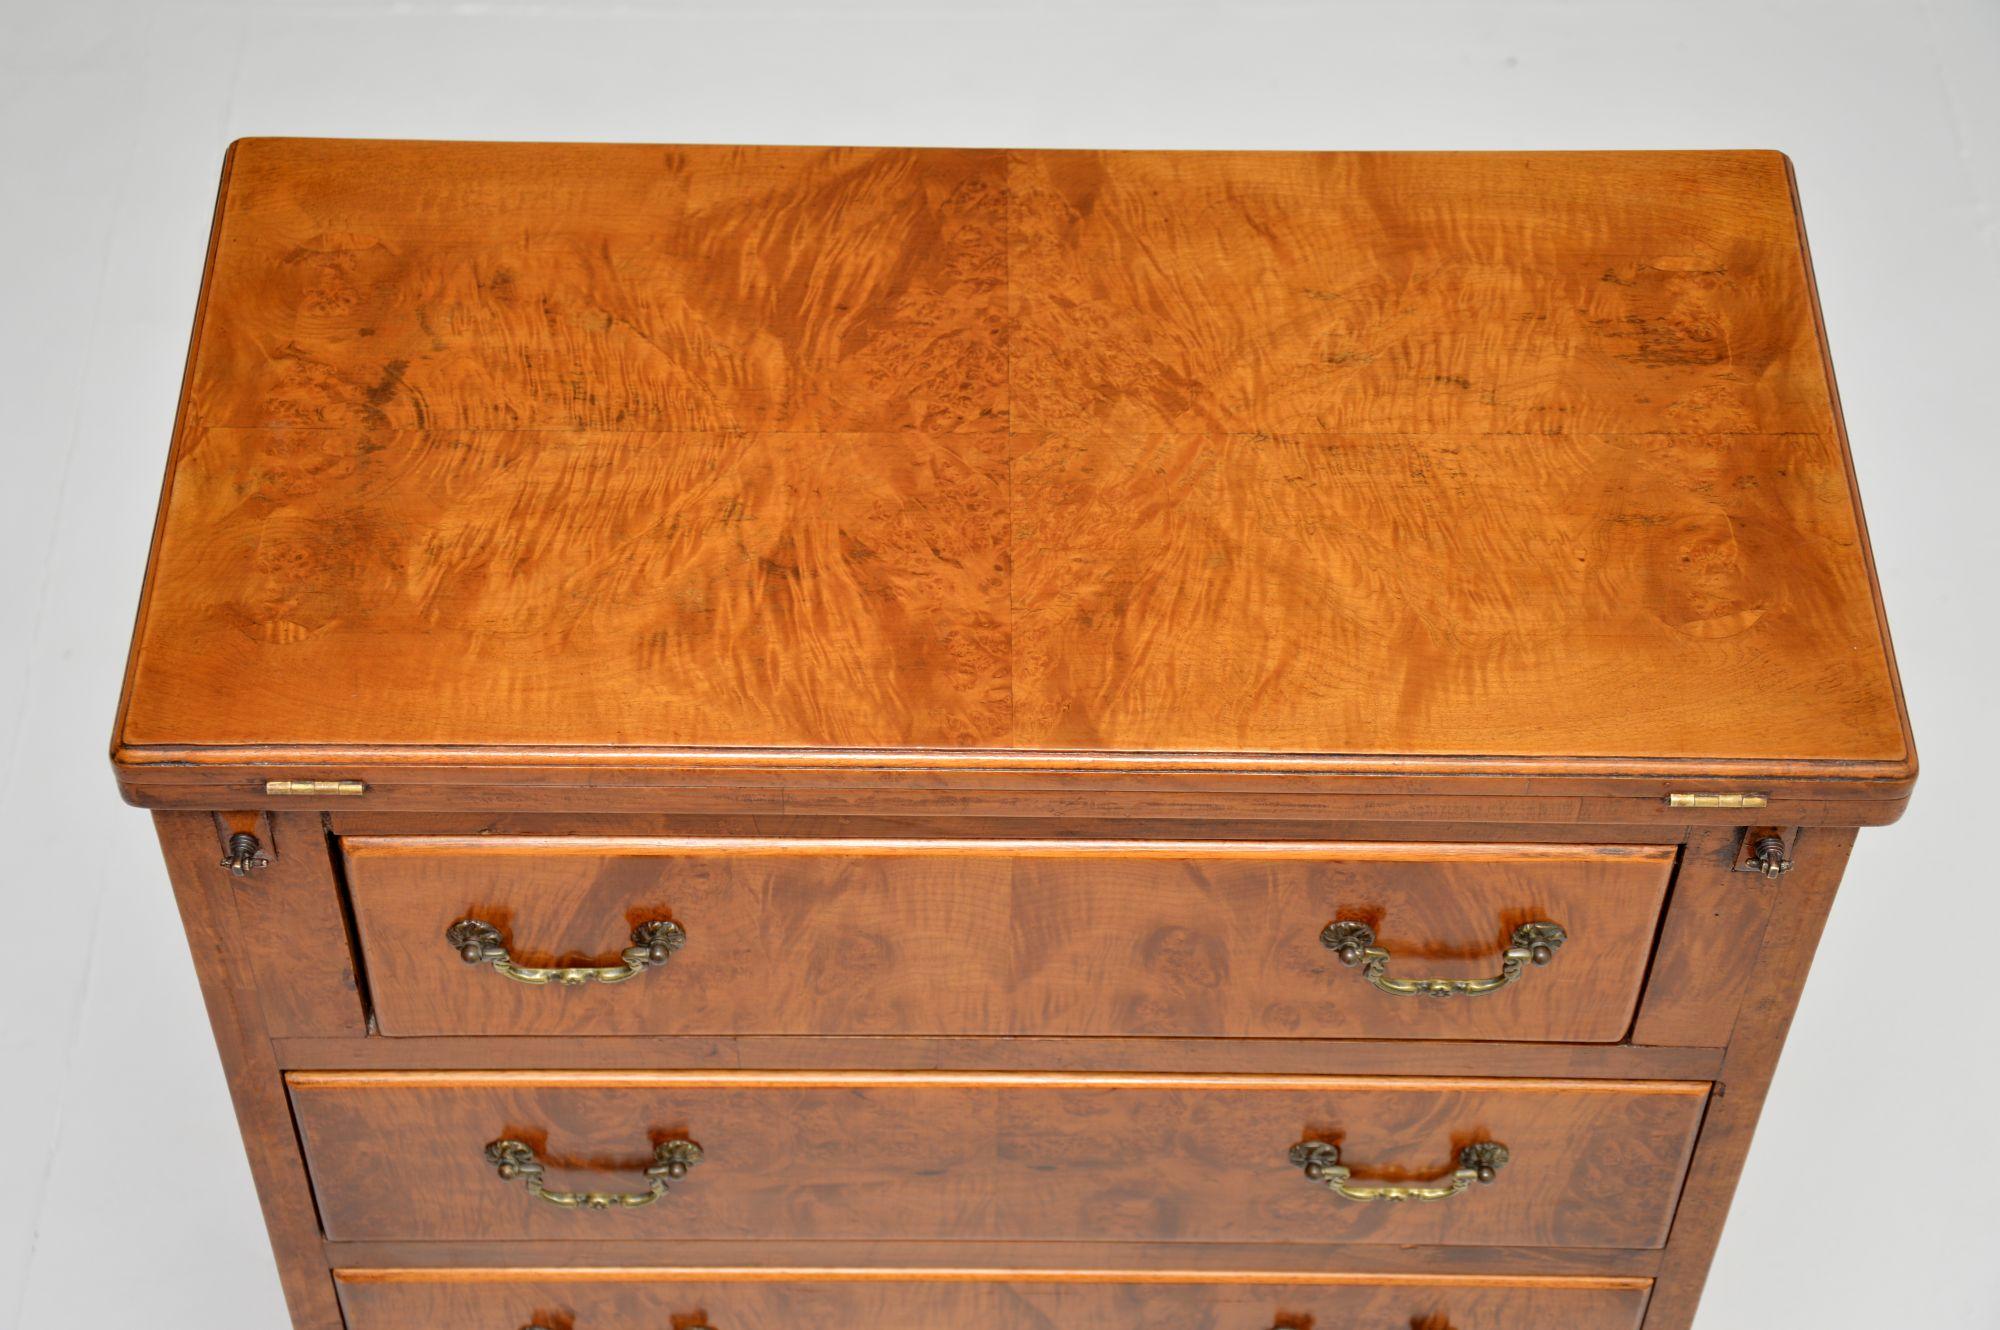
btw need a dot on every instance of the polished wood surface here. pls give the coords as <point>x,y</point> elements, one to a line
<point>1003,605</point>
<point>871,1156</point>
<point>1153,1053</point>
<point>1784,957</point>
<point>905,937</point>
<point>292,925</point>
<point>644,783</point>
<point>609,287</point>
<point>1031,1259</point>
<point>226,966</point>
<point>778,1299</point>
<point>1709,951</point>
<point>499,456</point>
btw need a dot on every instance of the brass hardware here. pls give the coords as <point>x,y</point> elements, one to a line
<point>1354,943</point>
<point>1771,858</point>
<point>1718,801</point>
<point>1320,1161</point>
<point>1764,850</point>
<point>653,943</point>
<point>315,787</point>
<point>246,855</point>
<point>515,1161</point>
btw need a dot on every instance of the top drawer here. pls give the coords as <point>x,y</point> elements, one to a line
<point>878,937</point>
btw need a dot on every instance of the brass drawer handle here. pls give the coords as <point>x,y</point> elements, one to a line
<point>1354,943</point>
<point>516,1161</point>
<point>653,943</point>
<point>1320,1161</point>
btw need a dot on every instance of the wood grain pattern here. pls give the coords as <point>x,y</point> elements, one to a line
<point>1451,595</point>
<point>229,989</point>
<point>1444,594</point>
<point>985,1157</point>
<point>747,586</point>
<point>909,1300</point>
<point>1418,821</point>
<point>1819,858</point>
<point>1153,1053</point>
<point>550,286</point>
<point>1060,787</point>
<point>1496,293</point>
<point>850,937</point>
<point>1148,522</point>
<point>1521,465</point>
<point>1024,1259</point>
<point>291,927</point>
<point>1710,946</point>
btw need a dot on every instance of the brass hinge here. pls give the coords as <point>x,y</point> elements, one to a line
<point>314,787</point>
<point>1718,801</point>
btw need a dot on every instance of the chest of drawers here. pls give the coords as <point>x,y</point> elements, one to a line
<point>778,739</point>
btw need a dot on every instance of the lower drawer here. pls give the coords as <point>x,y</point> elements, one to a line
<point>990,1157</point>
<point>602,1299</point>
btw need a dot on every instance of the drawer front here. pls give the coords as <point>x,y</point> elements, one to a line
<point>1001,938</point>
<point>990,1300</point>
<point>988,1157</point>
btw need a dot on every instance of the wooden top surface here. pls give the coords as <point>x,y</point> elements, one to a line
<point>1508,463</point>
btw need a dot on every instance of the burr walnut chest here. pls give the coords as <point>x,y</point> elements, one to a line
<point>786,739</point>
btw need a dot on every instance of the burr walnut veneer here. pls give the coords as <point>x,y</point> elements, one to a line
<point>792,738</point>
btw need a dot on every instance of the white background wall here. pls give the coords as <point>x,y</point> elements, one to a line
<point>1869,1196</point>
